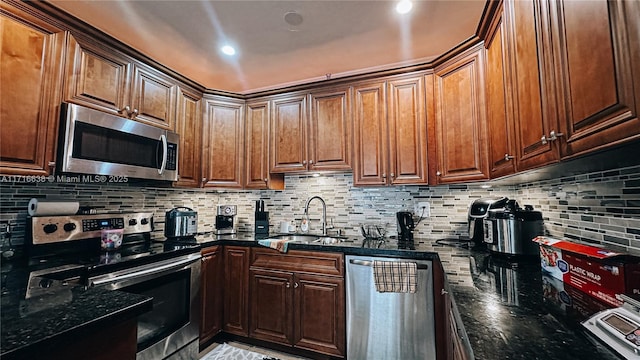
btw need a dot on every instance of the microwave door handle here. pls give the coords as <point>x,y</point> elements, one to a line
<point>163,139</point>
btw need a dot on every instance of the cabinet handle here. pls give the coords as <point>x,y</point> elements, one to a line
<point>508,157</point>
<point>295,285</point>
<point>553,136</point>
<point>438,173</point>
<point>443,292</point>
<point>543,140</point>
<point>288,285</point>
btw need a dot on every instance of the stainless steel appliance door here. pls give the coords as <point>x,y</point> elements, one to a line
<point>388,325</point>
<point>171,328</point>
<point>96,143</point>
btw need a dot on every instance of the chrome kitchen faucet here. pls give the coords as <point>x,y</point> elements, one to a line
<point>324,212</point>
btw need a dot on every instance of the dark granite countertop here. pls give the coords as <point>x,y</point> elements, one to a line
<point>60,312</point>
<point>507,306</point>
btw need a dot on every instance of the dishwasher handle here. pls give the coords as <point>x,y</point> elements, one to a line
<point>370,264</point>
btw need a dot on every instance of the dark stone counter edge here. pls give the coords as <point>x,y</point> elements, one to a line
<point>137,305</point>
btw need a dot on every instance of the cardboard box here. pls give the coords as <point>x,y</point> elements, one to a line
<point>596,271</point>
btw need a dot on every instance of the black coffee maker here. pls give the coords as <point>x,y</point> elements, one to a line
<point>405,226</point>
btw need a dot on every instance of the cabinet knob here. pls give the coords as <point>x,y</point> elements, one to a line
<point>508,157</point>
<point>553,136</point>
<point>288,285</point>
<point>438,173</point>
<point>266,180</point>
<point>295,285</point>
<point>443,292</point>
<point>310,162</point>
<point>392,175</point>
<point>384,175</point>
<point>126,109</point>
<point>134,113</point>
<point>204,179</point>
<point>304,162</point>
<point>543,140</point>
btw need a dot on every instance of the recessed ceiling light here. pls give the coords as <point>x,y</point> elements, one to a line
<point>404,6</point>
<point>228,50</point>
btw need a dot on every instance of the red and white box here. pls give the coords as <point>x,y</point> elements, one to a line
<point>596,271</point>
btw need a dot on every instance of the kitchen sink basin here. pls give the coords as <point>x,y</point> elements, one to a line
<point>308,239</point>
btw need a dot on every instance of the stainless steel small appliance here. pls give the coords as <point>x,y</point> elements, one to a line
<point>225,223</point>
<point>510,230</point>
<point>92,142</point>
<point>180,223</point>
<point>167,271</point>
<point>405,225</point>
<point>619,328</point>
<point>478,211</point>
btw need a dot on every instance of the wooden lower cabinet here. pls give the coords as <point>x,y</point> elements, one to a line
<point>296,307</point>
<point>212,293</point>
<point>236,290</point>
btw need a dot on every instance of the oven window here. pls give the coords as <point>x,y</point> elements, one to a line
<point>170,306</point>
<point>106,145</point>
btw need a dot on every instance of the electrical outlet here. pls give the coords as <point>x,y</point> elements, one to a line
<point>422,209</point>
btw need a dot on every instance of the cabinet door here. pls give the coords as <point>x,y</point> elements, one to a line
<point>153,98</point>
<point>189,127</point>
<point>271,305</point>
<point>370,135</point>
<point>407,131</point>
<point>320,313</point>
<point>224,135</point>
<point>31,62</point>
<point>257,174</point>
<point>594,74</point>
<point>499,116</point>
<point>288,145</point>
<point>212,293</point>
<point>330,130</point>
<point>460,130</point>
<point>236,290</point>
<point>532,97</point>
<point>97,78</point>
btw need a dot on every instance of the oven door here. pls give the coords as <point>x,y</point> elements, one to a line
<point>172,326</point>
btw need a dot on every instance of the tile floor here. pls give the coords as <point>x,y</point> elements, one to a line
<point>266,352</point>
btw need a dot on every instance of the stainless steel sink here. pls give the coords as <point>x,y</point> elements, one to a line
<point>308,239</point>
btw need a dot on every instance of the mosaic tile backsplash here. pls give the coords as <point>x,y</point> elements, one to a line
<point>601,208</point>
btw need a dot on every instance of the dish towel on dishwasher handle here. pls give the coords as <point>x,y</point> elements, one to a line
<point>395,276</point>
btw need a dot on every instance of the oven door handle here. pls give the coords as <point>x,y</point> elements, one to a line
<point>145,272</point>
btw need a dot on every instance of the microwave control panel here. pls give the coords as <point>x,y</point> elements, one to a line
<point>52,229</point>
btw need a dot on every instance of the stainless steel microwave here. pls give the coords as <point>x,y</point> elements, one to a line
<point>96,143</point>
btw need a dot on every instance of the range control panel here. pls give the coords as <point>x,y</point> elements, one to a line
<point>51,229</point>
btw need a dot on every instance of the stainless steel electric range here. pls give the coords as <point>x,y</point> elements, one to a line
<point>68,248</point>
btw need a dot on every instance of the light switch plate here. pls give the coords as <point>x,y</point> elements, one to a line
<point>417,209</point>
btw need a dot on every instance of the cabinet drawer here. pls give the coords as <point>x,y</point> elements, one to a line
<point>299,261</point>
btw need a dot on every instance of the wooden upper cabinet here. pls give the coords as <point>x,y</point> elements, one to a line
<point>108,81</point>
<point>153,98</point>
<point>370,136</point>
<point>223,138</point>
<point>460,124</point>
<point>31,64</point>
<point>189,127</point>
<point>288,146</point>
<point>501,133</point>
<point>329,130</point>
<point>407,130</point>
<point>595,73</point>
<point>533,95</point>
<point>257,174</point>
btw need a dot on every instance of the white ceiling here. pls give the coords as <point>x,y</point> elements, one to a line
<point>335,37</point>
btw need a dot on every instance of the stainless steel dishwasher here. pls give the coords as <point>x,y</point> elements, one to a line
<point>388,325</point>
